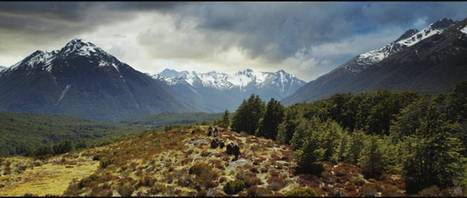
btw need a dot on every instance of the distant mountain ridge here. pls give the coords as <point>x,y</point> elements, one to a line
<point>216,91</point>
<point>83,80</point>
<point>429,60</point>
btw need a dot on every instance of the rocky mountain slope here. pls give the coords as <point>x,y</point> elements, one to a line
<point>83,80</point>
<point>183,162</point>
<point>216,91</point>
<point>429,60</point>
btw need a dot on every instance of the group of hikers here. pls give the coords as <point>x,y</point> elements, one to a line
<point>213,131</point>
<point>231,149</point>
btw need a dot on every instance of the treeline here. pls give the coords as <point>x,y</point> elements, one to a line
<point>421,137</point>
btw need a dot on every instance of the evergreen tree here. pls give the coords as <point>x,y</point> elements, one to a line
<point>435,153</point>
<point>225,122</point>
<point>329,135</point>
<point>342,151</point>
<point>239,119</point>
<point>248,115</point>
<point>305,129</point>
<point>287,128</point>
<point>372,162</point>
<point>272,118</point>
<point>356,146</point>
<point>307,158</point>
<point>62,147</point>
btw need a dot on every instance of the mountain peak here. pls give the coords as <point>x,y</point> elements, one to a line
<point>442,23</point>
<point>78,42</point>
<point>80,47</point>
<point>407,34</point>
<point>219,80</point>
<point>408,39</point>
<point>281,71</point>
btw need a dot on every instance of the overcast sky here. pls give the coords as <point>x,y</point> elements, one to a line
<point>305,39</point>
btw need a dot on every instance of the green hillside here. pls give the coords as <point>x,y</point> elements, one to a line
<point>22,133</point>
<point>25,133</point>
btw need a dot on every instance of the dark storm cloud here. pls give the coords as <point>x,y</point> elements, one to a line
<point>294,26</point>
<point>271,31</point>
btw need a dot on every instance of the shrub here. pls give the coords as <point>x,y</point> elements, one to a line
<point>301,192</point>
<point>43,150</point>
<point>372,162</point>
<point>204,175</point>
<point>234,187</point>
<point>62,147</point>
<point>307,159</point>
<point>255,191</point>
<point>104,162</point>
<point>125,189</point>
<point>248,178</point>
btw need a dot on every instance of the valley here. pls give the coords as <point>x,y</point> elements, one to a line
<point>238,99</point>
<point>176,163</point>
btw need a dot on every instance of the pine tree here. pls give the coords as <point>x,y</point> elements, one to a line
<point>272,118</point>
<point>435,153</point>
<point>287,128</point>
<point>372,162</point>
<point>307,158</point>
<point>225,122</point>
<point>356,146</point>
<point>248,115</point>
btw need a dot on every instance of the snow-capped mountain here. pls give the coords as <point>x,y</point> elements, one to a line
<point>2,68</point>
<point>409,38</point>
<point>429,60</point>
<point>233,87</point>
<point>43,60</point>
<point>83,80</point>
<point>241,79</point>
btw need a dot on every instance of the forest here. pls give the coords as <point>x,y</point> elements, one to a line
<point>422,137</point>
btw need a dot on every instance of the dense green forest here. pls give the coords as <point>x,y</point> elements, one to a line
<point>164,119</point>
<point>32,134</point>
<point>421,137</point>
<point>27,134</point>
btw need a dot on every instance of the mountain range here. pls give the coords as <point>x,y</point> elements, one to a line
<point>83,80</point>
<point>429,60</point>
<point>216,91</point>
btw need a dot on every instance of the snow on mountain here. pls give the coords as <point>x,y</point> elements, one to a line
<point>76,47</point>
<point>464,30</point>
<point>240,79</point>
<point>83,80</point>
<point>408,39</point>
<point>2,68</point>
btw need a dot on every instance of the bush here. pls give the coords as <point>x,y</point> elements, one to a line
<point>234,187</point>
<point>43,150</point>
<point>104,162</point>
<point>62,147</point>
<point>204,175</point>
<point>255,191</point>
<point>125,190</point>
<point>301,192</point>
<point>372,162</point>
<point>307,159</point>
<point>248,178</point>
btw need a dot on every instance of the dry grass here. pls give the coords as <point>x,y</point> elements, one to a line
<point>181,163</point>
<point>48,179</point>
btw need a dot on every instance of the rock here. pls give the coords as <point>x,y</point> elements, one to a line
<point>237,163</point>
